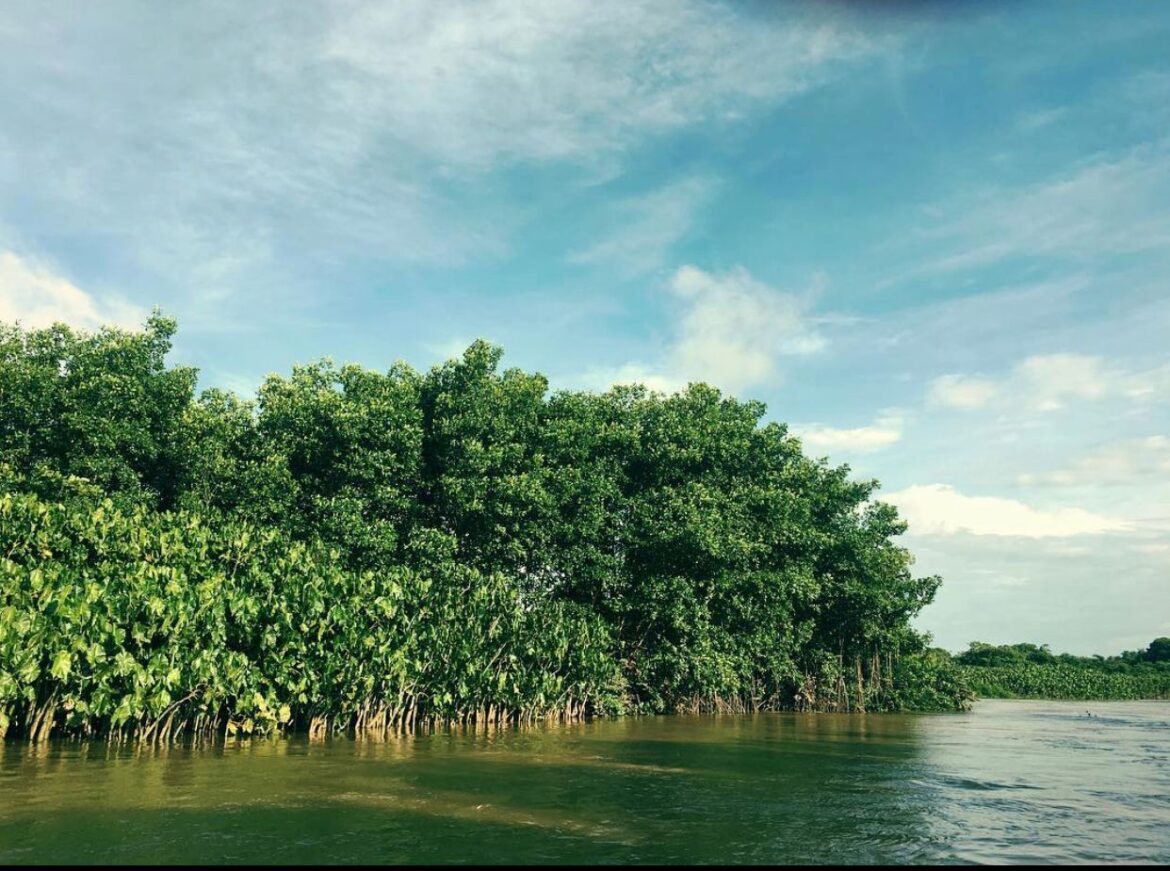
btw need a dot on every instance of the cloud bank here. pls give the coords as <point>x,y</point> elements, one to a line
<point>938,509</point>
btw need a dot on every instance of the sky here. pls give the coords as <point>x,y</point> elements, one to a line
<point>933,237</point>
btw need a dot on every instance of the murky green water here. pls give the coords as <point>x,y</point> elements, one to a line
<point>1012,781</point>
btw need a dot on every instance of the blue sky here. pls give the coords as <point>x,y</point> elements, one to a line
<point>933,237</point>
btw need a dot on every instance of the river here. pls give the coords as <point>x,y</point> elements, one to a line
<point>1012,781</point>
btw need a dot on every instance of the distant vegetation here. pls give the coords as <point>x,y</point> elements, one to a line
<point>1024,671</point>
<point>357,549</point>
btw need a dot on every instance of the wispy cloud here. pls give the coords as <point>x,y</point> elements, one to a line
<point>645,227</point>
<point>1113,204</point>
<point>1038,119</point>
<point>36,296</point>
<point>357,131</point>
<point>475,83</point>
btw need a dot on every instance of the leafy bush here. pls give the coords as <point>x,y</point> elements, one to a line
<point>1062,682</point>
<point>112,620</point>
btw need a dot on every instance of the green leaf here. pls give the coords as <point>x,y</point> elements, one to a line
<point>62,664</point>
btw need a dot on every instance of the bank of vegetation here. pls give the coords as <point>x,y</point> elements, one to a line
<point>358,550</point>
<point>1028,671</point>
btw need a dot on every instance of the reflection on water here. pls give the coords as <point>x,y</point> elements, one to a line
<point>1012,781</point>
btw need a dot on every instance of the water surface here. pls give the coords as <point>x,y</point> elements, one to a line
<point>1010,782</point>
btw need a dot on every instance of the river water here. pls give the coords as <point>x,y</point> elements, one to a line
<point>1011,781</point>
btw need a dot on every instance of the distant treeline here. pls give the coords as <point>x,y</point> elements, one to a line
<point>1012,671</point>
<point>367,550</point>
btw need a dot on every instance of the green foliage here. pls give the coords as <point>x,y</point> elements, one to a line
<point>102,407</point>
<point>1028,671</point>
<point>1063,682</point>
<point>109,618</point>
<point>928,681</point>
<point>1158,651</point>
<point>356,549</point>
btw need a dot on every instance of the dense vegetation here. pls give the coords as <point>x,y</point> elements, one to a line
<point>1027,671</point>
<point>378,550</point>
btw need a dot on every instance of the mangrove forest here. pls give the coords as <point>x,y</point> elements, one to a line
<point>359,551</point>
<point>1030,671</point>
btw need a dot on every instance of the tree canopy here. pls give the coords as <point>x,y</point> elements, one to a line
<point>459,543</point>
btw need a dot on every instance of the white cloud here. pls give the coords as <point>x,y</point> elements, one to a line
<point>734,328</point>
<point>37,297</point>
<point>449,349</point>
<point>961,391</point>
<point>938,509</point>
<point>729,330</point>
<point>1153,549</point>
<point>1129,461</point>
<point>1051,382</point>
<point>647,226</point>
<point>1056,593</point>
<point>603,377</point>
<point>885,431</point>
